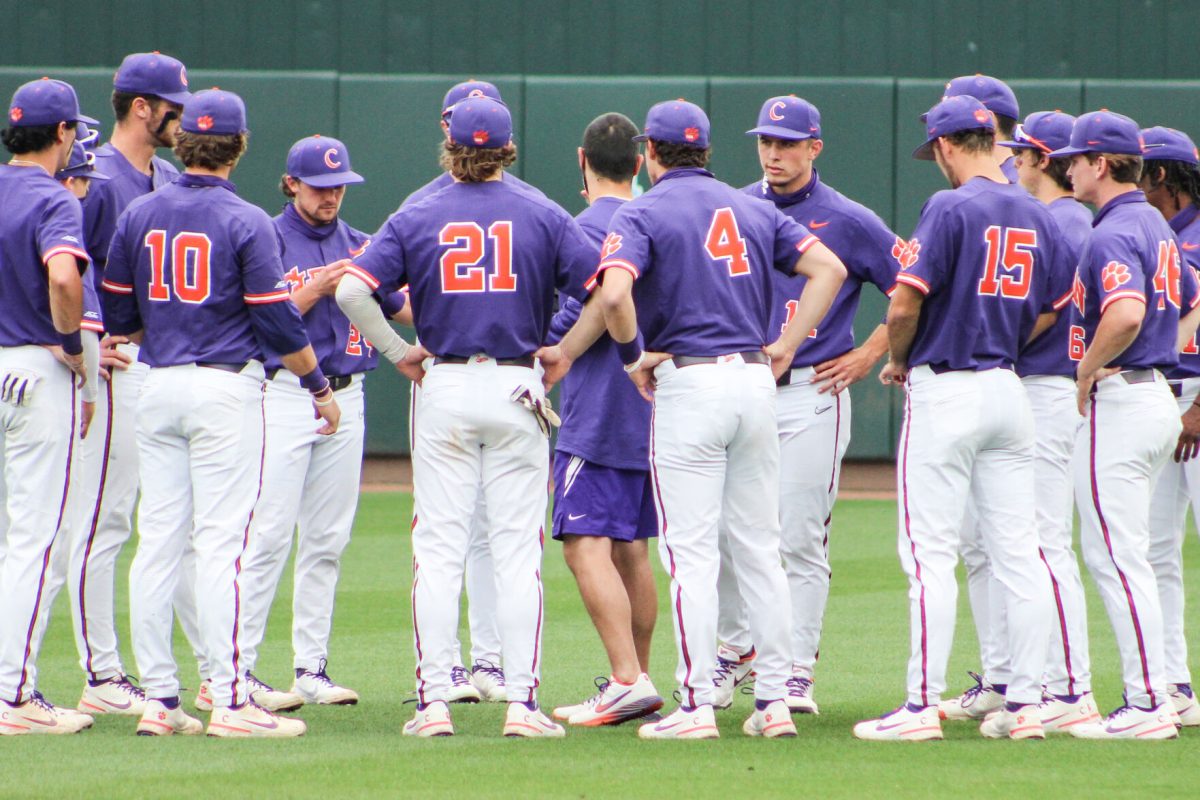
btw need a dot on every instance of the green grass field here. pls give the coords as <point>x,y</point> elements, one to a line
<point>359,751</point>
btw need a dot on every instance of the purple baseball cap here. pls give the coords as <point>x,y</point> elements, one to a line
<point>959,113</point>
<point>153,74</point>
<point>481,122</point>
<point>88,137</point>
<point>214,112</point>
<point>1168,144</point>
<point>678,122</point>
<point>82,164</point>
<point>1044,131</point>
<point>321,161</point>
<point>45,102</point>
<point>788,117</point>
<point>992,92</point>
<point>1103,131</point>
<point>471,88</point>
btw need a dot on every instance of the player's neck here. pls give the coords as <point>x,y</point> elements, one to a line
<point>1106,191</point>
<point>46,159</point>
<point>1001,154</point>
<point>1047,191</point>
<point>598,187</point>
<point>220,172</point>
<point>132,144</point>
<point>972,165</point>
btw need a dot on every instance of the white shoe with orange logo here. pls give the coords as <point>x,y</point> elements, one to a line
<point>158,720</point>
<point>432,720</point>
<point>37,715</point>
<point>1014,721</point>
<point>530,723</point>
<point>772,721</point>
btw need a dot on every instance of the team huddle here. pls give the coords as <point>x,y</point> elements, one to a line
<point>168,345</point>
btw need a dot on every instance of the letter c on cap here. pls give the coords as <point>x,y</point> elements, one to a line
<point>776,107</point>
<point>329,162</point>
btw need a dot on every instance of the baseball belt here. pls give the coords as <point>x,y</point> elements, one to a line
<point>523,361</point>
<point>336,382</point>
<point>749,357</point>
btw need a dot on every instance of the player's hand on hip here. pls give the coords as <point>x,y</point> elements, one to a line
<point>555,365</point>
<point>325,280</point>
<point>643,376</point>
<point>781,357</point>
<point>893,374</point>
<point>111,358</point>
<point>1189,439</point>
<point>1084,384</point>
<point>412,366</point>
<point>328,410</point>
<point>86,412</point>
<point>839,373</point>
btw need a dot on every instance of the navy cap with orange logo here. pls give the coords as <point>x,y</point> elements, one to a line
<point>1168,144</point>
<point>788,117</point>
<point>153,74</point>
<point>480,122</point>
<point>471,88</point>
<point>321,161</point>
<point>214,112</point>
<point>45,102</point>
<point>994,93</point>
<point>959,113</point>
<point>678,122</point>
<point>1044,131</point>
<point>1103,131</point>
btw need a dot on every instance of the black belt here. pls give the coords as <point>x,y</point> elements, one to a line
<point>336,382</point>
<point>223,367</point>
<point>523,361</point>
<point>942,369</point>
<point>1139,375</point>
<point>786,378</point>
<point>750,357</point>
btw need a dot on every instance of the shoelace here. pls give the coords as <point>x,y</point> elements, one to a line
<point>41,702</point>
<point>602,683</point>
<point>257,685</point>
<point>459,676</point>
<point>320,676</point>
<point>798,685</point>
<point>126,684</point>
<point>724,671</point>
<point>485,666</point>
<point>977,689</point>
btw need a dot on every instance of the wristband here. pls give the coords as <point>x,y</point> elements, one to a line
<point>315,381</point>
<point>632,368</point>
<point>328,401</point>
<point>631,351</point>
<point>72,343</point>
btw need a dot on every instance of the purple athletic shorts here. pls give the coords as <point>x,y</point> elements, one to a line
<point>593,500</point>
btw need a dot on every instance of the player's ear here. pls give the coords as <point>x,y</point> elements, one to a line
<point>582,158</point>
<point>816,147</point>
<point>637,167</point>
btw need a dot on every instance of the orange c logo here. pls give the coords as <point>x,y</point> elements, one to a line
<point>776,107</point>
<point>329,162</point>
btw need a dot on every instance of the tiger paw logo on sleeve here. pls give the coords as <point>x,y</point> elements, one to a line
<point>1114,275</point>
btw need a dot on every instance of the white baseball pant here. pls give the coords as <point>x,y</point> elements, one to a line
<point>1178,486</point>
<point>814,432</point>
<point>200,448</point>
<point>714,458</point>
<point>470,438</point>
<point>986,600</point>
<point>310,487</point>
<point>965,434</point>
<point>1125,442</point>
<point>38,431</point>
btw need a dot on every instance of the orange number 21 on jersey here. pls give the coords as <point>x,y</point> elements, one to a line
<point>460,267</point>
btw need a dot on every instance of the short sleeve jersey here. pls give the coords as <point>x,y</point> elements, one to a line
<point>855,235</point>
<point>983,255</point>
<point>1049,353</point>
<point>1186,225</point>
<point>339,346</point>
<point>702,253</point>
<point>1131,254</point>
<point>41,219</point>
<point>186,263</point>
<point>444,180</point>
<point>106,200</point>
<point>482,262</point>
<point>604,419</point>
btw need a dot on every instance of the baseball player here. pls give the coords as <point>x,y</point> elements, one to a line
<point>1000,100</point>
<point>603,501</point>
<point>310,479</point>
<point>482,259</point>
<point>1126,329</point>
<point>812,406</point>
<point>194,273</point>
<point>1171,182</point>
<point>975,278</point>
<point>701,253</point>
<point>1047,373</point>
<point>149,90</point>
<point>41,359</point>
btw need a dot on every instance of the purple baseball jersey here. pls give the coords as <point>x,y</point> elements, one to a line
<point>482,261</point>
<point>858,237</point>
<point>1131,254</point>
<point>445,179</point>
<point>198,269</point>
<point>340,348</point>
<point>93,319</point>
<point>604,419</point>
<point>1049,353</point>
<point>107,199</point>
<point>41,219</point>
<point>983,255</point>
<point>702,294</point>
<point>1186,225</point>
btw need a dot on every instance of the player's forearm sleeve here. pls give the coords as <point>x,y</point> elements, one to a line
<point>278,326</point>
<point>91,365</point>
<point>355,300</point>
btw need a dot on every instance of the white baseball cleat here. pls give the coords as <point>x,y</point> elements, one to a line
<point>697,723</point>
<point>618,702</point>
<point>1131,722</point>
<point>1184,701</point>
<point>462,690</point>
<point>112,696</point>
<point>252,720</point>
<point>908,723</point>
<point>488,680</point>
<point>432,720</point>
<point>975,703</point>
<point>773,721</point>
<point>530,723</point>
<point>38,716</point>
<point>800,695</point>
<point>1013,721</point>
<point>203,701</point>
<point>318,688</point>
<point>1061,713</point>
<point>270,698</point>
<point>733,669</point>
<point>158,720</point>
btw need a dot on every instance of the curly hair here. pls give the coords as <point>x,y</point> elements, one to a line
<point>208,151</point>
<point>476,164</point>
<point>671,155</point>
